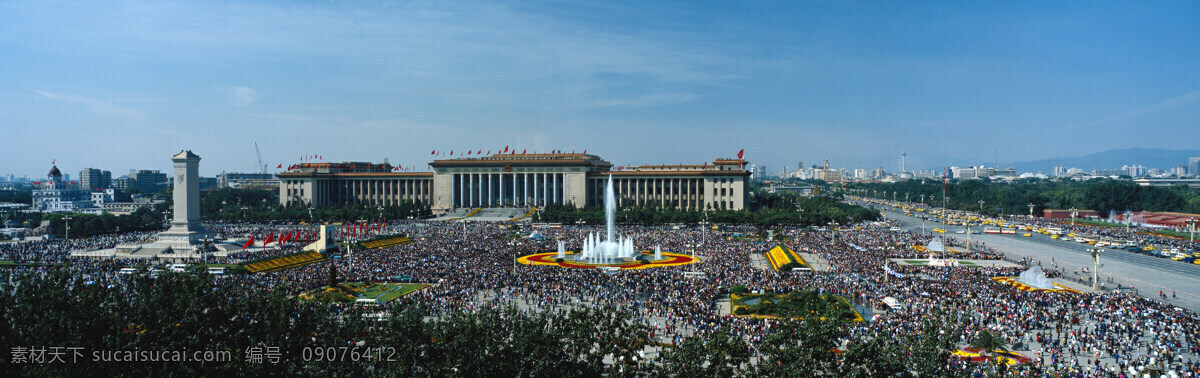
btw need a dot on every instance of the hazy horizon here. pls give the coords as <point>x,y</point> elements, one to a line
<point>125,86</point>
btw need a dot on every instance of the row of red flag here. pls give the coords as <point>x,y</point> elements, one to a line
<point>353,231</point>
<point>506,150</point>
<point>741,153</point>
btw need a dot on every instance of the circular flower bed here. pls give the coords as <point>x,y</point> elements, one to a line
<point>551,258</point>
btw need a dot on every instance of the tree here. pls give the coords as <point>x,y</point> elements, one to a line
<point>713,354</point>
<point>989,343</point>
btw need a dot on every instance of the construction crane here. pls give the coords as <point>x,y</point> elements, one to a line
<point>260,162</point>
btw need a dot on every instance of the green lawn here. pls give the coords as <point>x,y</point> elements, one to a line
<point>1174,234</point>
<point>1095,223</point>
<point>386,292</point>
<point>12,263</point>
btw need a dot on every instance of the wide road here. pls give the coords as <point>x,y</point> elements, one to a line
<point>1148,274</point>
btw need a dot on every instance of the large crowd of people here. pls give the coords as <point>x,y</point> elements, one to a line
<point>472,265</point>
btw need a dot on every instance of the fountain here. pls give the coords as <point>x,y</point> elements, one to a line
<point>562,251</point>
<point>658,252</point>
<point>1036,278</point>
<point>936,245</point>
<point>611,249</point>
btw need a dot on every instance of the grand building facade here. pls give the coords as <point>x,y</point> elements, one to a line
<point>518,180</point>
<point>58,195</point>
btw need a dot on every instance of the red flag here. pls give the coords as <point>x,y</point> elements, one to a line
<point>270,238</point>
<point>470,152</point>
<point>489,152</point>
<point>506,148</point>
<point>524,151</point>
<point>741,153</point>
<point>248,242</point>
<point>585,151</point>
<point>284,238</point>
<point>279,166</point>
<point>433,153</point>
<point>451,152</point>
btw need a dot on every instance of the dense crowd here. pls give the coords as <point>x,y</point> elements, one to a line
<point>471,266</point>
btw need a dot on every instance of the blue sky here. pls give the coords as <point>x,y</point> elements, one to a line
<point>123,85</point>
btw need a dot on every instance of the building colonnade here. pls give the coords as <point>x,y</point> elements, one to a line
<point>508,189</point>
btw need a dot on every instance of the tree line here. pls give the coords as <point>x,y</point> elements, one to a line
<point>259,205</point>
<point>765,210</point>
<point>189,312</point>
<point>1013,198</point>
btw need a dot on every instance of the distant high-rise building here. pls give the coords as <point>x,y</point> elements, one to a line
<point>94,179</point>
<point>1134,170</point>
<point>1194,166</point>
<point>149,182</point>
<point>860,174</point>
<point>1060,170</point>
<point>1179,171</point>
<point>122,183</point>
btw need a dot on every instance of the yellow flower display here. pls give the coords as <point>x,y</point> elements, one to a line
<point>551,258</point>
<point>1024,287</point>
<point>781,255</point>
<point>284,262</point>
<point>387,242</point>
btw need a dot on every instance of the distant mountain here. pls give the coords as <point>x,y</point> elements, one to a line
<point>1111,159</point>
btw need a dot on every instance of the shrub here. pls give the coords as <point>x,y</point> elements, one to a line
<point>739,289</point>
<point>559,260</point>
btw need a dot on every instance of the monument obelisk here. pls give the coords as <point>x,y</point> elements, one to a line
<point>185,233</point>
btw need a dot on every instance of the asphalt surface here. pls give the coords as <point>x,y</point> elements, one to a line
<point>1148,274</point>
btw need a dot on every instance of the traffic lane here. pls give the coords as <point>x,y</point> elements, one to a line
<point>1146,261</point>
<point>1141,270</point>
<point>1140,260</point>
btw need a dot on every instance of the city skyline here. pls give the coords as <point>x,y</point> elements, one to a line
<point>118,87</point>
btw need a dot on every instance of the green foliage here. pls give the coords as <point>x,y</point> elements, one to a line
<point>1013,198</point>
<point>772,210</point>
<point>739,290</point>
<point>989,342</point>
<point>261,205</point>
<point>798,304</point>
<point>717,354</point>
<point>17,196</point>
<point>143,219</point>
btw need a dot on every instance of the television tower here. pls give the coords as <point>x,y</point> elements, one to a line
<point>902,156</point>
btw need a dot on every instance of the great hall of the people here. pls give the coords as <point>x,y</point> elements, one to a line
<point>517,180</point>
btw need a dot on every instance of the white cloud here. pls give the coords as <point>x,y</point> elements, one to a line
<point>242,96</point>
<point>96,106</point>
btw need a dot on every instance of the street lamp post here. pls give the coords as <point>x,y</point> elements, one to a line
<point>1074,213</point>
<point>980,207</point>
<point>922,200</point>
<point>67,233</point>
<point>1030,210</point>
<point>1192,230</point>
<point>1096,267</point>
